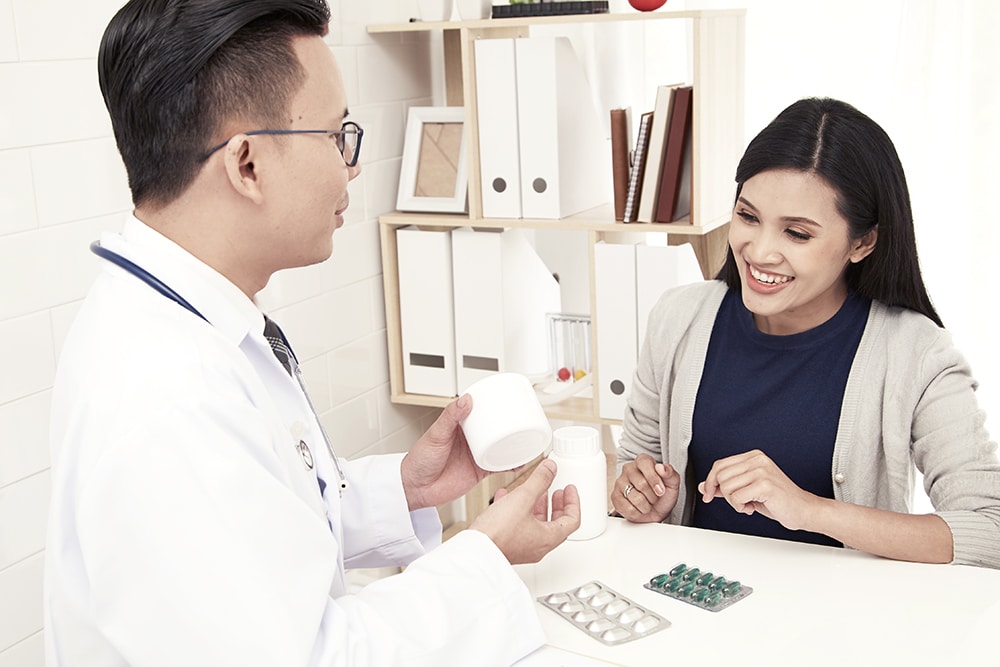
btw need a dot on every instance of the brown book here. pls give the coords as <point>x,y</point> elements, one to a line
<point>674,157</point>
<point>621,145</point>
<point>638,167</point>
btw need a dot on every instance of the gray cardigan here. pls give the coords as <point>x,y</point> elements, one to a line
<point>909,402</point>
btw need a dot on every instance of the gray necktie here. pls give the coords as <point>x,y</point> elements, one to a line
<point>276,339</point>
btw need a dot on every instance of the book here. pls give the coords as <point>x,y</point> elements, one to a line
<point>506,11</point>
<point>654,154</point>
<point>683,207</point>
<point>678,143</point>
<point>621,145</point>
<point>638,166</point>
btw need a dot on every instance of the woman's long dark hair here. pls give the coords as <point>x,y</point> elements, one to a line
<point>857,159</point>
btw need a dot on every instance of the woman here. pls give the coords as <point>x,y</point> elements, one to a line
<point>794,396</point>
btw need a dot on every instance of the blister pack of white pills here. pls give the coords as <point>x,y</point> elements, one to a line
<point>604,614</point>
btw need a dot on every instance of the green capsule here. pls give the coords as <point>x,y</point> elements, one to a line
<point>713,599</point>
<point>686,589</point>
<point>673,585</point>
<point>659,580</point>
<point>717,583</point>
<point>678,569</point>
<point>691,574</point>
<point>704,579</point>
<point>700,594</point>
<point>731,589</point>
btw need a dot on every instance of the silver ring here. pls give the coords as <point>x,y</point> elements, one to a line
<point>628,489</point>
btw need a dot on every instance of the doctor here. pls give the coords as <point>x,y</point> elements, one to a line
<point>198,515</point>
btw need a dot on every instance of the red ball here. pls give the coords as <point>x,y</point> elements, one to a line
<point>647,5</point>
<point>563,374</point>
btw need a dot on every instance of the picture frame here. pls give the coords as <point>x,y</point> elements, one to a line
<point>433,176</point>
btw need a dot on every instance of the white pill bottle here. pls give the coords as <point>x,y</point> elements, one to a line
<point>577,452</point>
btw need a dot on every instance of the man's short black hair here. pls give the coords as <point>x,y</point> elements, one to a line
<point>173,72</point>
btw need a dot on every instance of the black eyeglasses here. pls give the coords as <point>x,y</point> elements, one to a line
<point>348,139</point>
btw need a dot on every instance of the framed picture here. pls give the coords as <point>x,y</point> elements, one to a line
<point>433,176</point>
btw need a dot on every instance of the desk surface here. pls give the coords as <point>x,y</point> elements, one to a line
<point>810,605</point>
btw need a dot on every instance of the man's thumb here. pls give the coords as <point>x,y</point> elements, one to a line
<point>541,478</point>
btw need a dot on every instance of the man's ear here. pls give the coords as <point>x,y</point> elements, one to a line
<point>238,156</point>
<point>864,245</point>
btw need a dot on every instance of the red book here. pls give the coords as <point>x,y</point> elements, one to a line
<point>678,144</point>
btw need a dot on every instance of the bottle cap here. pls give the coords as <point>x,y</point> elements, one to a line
<point>573,441</point>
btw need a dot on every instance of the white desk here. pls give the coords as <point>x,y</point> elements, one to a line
<point>810,605</point>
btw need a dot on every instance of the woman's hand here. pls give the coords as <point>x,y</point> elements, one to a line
<point>752,482</point>
<point>646,491</point>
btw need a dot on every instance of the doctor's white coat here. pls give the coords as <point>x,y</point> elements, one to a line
<point>186,527</point>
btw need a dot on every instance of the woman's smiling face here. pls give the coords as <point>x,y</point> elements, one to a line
<point>792,248</point>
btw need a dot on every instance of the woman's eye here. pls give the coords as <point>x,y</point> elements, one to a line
<point>747,216</point>
<point>798,236</point>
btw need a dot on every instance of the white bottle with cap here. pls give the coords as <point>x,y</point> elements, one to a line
<point>577,452</point>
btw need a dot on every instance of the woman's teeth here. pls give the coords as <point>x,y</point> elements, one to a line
<point>768,278</point>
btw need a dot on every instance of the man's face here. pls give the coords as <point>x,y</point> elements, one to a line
<point>308,185</point>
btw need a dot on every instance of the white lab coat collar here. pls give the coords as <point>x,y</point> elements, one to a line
<point>222,303</point>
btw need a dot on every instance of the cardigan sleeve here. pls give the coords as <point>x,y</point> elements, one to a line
<point>953,450</point>
<point>660,408</point>
<point>682,318</point>
<point>641,421</point>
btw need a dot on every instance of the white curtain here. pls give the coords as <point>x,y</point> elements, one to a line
<point>946,95</point>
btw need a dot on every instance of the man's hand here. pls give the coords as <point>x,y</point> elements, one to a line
<point>439,468</point>
<point>517,523</point>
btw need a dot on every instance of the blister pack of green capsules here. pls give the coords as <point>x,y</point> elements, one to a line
<point>701,588</point>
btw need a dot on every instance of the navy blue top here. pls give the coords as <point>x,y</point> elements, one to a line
<point>779,394</point>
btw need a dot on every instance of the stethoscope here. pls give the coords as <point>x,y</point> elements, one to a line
<point>164,289</point>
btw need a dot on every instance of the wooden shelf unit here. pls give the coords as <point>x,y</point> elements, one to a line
<point>717,131</point>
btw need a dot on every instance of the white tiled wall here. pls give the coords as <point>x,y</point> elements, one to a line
<point>21,610</point>
<point>25,449</point>
<point>50,101</point>
<point>23,507</point>
<point>8,38</point>
<point>62,184</point>
<point>17,205</point>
